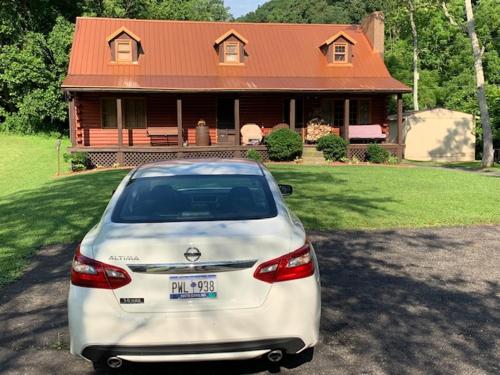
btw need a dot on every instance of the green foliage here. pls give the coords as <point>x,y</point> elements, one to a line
<point>313,11</point>
<point>79,161</point>
<point>393,159</point>
<point>376,154</point>
<point>31,72</point>
<point>284,145</point>
<point>254,155</point>
<point>209,10</point>
<point>334,147</point>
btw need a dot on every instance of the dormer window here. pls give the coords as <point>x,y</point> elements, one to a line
<point>339,53</point>
<point>125,46</point>
<point>338,49</point>
<point>231,52</point>
<point>123,51</point>
<point>231,48</point>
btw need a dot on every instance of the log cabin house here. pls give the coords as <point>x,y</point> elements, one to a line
<point>137,88</point>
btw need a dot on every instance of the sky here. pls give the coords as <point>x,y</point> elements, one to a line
<point>241,7</point>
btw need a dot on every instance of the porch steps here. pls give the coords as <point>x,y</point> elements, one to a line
<point>312,156</point>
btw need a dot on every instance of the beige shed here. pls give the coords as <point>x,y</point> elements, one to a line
<point>438,135</point>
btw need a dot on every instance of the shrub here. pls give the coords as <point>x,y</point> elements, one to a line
<point>376,154</point>
<point>79,161</point>
<point>334,147</point>
<point>284,145</point>
<point>254,155</point>
<point>393,159</point>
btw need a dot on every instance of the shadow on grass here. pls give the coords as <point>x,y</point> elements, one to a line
<point>321,200</point>
<point>60,211</point>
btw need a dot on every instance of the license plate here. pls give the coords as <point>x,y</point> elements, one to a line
<point>189,287</point>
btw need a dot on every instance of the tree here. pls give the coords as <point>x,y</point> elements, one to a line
<point>477,52</point>
<point>487,160</point>
<point>298,11</point>
<point>411,12</point>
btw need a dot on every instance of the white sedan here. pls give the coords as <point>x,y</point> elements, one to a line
<point>194,261</point>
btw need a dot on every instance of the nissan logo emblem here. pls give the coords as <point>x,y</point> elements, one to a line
<point>192,254</point>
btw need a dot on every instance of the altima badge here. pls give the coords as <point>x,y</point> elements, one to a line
<point>123,257</point>
<point>192,254</point>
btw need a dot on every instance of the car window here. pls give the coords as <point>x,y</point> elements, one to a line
<point>195,198</point>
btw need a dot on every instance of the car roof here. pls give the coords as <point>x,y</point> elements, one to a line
<point>199,167</point>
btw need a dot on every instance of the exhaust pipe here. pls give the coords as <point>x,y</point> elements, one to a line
<point>275,355</point>
<point>114,362</point>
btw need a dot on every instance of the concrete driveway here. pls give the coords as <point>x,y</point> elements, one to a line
<point>394,302</point>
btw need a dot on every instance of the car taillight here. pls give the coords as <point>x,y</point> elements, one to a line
<point>90,273</point>
<point>295,265</point>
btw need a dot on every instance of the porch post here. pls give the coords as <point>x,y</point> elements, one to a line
<point>400,127</point>
<point>71,118</point>
<point>237,121</point>
<point>180,138</point>
<point>346,120</point>
<point>400,120</point>
<point>119,126</point>
<point>292,114</point>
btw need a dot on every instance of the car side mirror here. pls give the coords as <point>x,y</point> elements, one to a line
<point>286,189</point>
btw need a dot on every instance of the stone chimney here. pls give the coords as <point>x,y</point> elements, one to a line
<point>373,27</point>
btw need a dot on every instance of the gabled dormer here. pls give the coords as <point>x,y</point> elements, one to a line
<point>125,46</point>
<point>338,49</point>
<point>231,48</point>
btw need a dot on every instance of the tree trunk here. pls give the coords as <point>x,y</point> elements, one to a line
<point>481,94</point>
<point>411,9</point>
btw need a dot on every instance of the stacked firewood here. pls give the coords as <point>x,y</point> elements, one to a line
<point>317,128</point>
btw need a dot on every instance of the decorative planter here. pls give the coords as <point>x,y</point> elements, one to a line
<point>202,134</point>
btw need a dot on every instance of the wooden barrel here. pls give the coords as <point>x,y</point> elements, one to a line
<point>202,136</point>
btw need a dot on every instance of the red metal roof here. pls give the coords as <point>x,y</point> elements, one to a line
<point>180,56</point>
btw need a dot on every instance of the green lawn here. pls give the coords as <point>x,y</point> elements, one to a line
<point>37,209</point>
<point>464,165</point>
<point>374,197</point>
<point>27,161</point>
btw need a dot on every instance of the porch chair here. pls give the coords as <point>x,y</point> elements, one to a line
<point>251,134</point>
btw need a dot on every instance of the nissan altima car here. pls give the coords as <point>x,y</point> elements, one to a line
<point>194,261</point>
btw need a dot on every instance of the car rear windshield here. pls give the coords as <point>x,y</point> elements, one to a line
<point>195,198</point>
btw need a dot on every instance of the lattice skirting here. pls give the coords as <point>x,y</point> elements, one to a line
<point>360,150</point>
<point>134,158</point>
<point>102,159</point>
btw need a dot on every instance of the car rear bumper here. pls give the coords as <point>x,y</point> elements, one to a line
<point>289,320</point>
<point>99,352</point>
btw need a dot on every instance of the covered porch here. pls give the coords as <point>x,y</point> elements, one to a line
<point>123,128</point>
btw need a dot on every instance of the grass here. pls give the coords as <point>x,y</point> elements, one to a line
<point>37,209</point>
<point>464,165</point>
<point>28,161</point>
<point>377,197</point>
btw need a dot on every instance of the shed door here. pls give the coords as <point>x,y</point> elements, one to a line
<point>226,133</point>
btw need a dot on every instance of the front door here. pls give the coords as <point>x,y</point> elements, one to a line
<point>226,134</point>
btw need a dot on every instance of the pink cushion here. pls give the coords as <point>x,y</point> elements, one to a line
<point>366,132</point>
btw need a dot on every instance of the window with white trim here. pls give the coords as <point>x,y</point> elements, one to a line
<point>232,52</point>
<point>339,53</point>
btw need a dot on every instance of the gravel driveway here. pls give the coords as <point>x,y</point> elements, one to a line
<point>394,302</point>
